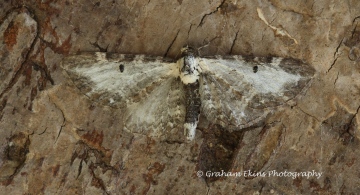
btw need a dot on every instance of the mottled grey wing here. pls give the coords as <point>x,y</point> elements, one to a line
<point>237,92</point>
<point>163,111</point>
<point>117,79</point>
<point>146,87</point>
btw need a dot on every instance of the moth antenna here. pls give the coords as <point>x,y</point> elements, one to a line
<point>181,50</point>
<point>206,45</point>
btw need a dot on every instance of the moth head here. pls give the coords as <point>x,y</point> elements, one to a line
<point>185,51</point>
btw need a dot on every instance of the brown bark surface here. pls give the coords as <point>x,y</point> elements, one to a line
<point>54,140</point>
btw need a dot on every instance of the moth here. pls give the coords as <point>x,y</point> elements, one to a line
<point>160,94</point>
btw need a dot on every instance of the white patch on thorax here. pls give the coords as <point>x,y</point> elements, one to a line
<point>187,77</point>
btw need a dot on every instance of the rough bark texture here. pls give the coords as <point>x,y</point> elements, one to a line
<point>53,140</point>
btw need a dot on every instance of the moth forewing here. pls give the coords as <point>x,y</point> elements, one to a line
<point>159,94</point>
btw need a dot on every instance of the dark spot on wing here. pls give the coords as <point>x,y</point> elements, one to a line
<point>121,67</point>
<point>255,69</point>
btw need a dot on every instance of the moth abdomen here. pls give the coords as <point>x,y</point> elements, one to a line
<point>193,104</point>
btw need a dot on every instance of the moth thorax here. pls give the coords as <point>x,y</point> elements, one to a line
<point>188,69</point>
